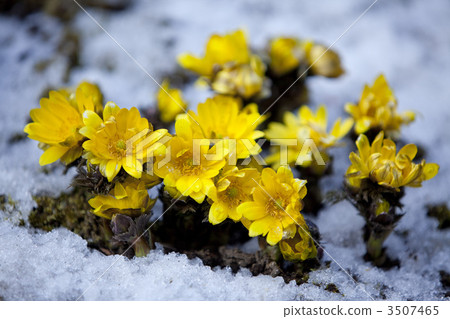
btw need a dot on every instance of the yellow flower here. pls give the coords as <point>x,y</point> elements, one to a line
<point>121,139</point>
<point>323,61</point>
<point>381,164</point>
<point>377,109</point>
<point>170,102</point>
<point>234,187</point>
<point>306,125</point>
<point>189,165</point>
<point>244,80</point>
<point>285,54</point>
<point>228,65</point>
<point>129,198</point>
<point>317,124</point>
<point>275,209</point>
<point>85,94</point>
<point>57,122</point>
<point>222,117</point>
<point>300,246</point>
<point>220,50</point>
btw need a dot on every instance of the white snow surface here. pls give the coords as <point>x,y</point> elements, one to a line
<point>406,40</point>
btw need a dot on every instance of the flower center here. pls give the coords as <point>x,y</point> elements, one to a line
<point>117,148</point>
<point>121,145</point>
<point>185,164</point>
<point>233,192</point>
<point>275,208</point>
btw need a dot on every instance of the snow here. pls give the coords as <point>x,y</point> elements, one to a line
<point>406,40</point>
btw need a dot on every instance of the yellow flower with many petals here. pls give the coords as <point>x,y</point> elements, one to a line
<point>57,122</point>
<point>234,187</point>
<point>170,102</point>
<point>377,109</point>
<point>220,50</point>
<point>121,139</point>
<point>275,209</point>
<point>381,164</point>
<point>128,198</point>
<point>222,117</point>
<point>306,125</point>
<point>244,80</point>
<point>286,54</point>
<point>190,164</point>
<point>228,65</point>
<point>299,247</point>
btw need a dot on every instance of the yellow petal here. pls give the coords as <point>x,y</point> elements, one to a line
<point>275,234</point>
<point>322,117</point>
<point>135,169</point>
<point>183,127</point>
<point>119,191</point>
<point>251,210</point>
<point>362,125</point>
<point>430,170</point>
<point>199,197</point>
<point>52,154</point>
<point>112,169</point>
<point>217,213</point>
<point>260,226</point>
<point>195,64</point>
<point>406,155</point>
<point>363,146</point>
<point>377,143</point>
<point>187,184</point>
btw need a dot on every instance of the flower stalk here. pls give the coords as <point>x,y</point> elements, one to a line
<point>375,183</point>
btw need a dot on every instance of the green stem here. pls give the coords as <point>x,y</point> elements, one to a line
<point>141,248</point>
<point>374,245</point>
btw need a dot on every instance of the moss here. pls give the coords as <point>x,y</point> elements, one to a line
<point>72,211</point>
<point>442,213</point>
<point>332,288</point>
<point>3,201</point>
<point>7,204</point>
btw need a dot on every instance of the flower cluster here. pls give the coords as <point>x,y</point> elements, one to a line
<point>211,164</point>
<point>228,65</point>
<point>377,109</point>
<point>289,54</point>
<point>70,125</point>
<point>202,164</point>
<point>381,164</point>
<point>299,136</point>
